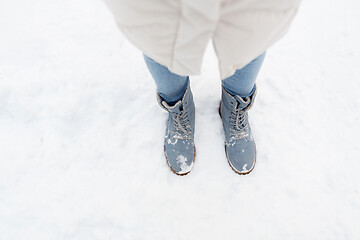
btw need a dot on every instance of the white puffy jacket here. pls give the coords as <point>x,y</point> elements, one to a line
<point>175,33</point>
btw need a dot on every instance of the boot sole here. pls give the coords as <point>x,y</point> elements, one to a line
<point>234,169</point>
<point>179,174</point>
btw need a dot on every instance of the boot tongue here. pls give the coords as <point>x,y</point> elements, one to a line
<point>242,102</point>
<point>177,108</point>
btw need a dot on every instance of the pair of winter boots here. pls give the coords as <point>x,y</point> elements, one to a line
<point>179,144</point>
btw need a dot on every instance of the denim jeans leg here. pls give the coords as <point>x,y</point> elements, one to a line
<point>170,86</point>
<point>242,82</point>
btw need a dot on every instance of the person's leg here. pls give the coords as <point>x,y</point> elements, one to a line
<point>170,86</point>
<point>174,95</point>
<point>238,94</point>
<point>242,83</point>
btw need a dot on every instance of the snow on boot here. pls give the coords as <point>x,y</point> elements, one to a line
<point>239,142</point>
<point>179,145</point>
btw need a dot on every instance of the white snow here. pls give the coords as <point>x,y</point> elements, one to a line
<point>172,143</point>
<point>244,167</point>
<point>181,162</point>
<point>81,134</point>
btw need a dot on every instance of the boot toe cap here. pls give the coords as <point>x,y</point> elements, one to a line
<point>180,157</point>
<point>241,157</point>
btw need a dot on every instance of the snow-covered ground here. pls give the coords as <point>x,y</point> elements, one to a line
<point>81,134</point>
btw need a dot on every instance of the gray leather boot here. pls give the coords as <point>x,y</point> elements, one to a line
<point>179,144</point>
<point>239,142</point>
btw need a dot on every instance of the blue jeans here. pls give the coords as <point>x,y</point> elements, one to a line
<point>171,87</point>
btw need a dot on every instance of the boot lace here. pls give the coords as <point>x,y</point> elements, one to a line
<point>182,126</point>
<point>239,124</point>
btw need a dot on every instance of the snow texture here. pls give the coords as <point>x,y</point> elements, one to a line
<point>181,161</point>
<point>81,134</point>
